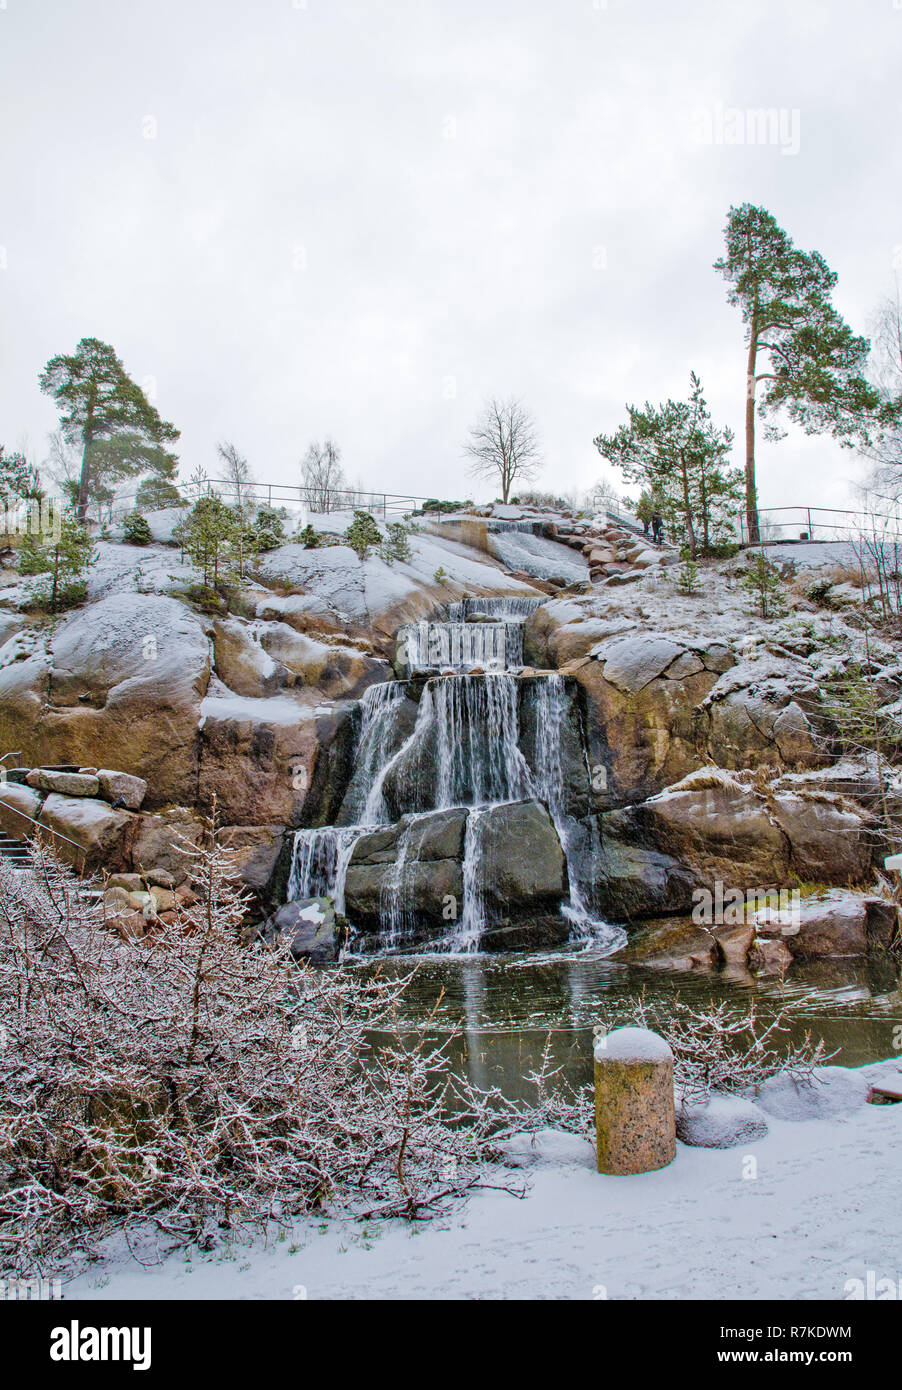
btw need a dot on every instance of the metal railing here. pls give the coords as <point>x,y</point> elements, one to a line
<point>320,501</point>
<point>823,524</point>
<point>45,829</point>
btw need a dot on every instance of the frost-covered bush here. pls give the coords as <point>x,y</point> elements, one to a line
<point>722,1048</point>
<point>184,1079</point>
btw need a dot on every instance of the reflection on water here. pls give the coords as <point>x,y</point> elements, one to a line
<point>506,1008</point>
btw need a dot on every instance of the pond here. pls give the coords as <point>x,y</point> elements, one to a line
<point>505,1008</point>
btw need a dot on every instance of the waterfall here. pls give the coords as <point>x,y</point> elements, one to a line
<point>467,740</point>
<point>496,645</point>
<point>477,736</point>
<point>394,900</point>
<point>529,528</point>
<point>319,862</point>
<point>456,644</point>
<point>548,781</point>
<point>378,710</point>
<point>515,606</point>
<point>320,856</point>
<point>472,914</point>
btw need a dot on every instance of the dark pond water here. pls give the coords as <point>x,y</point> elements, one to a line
<point>506,1008</point>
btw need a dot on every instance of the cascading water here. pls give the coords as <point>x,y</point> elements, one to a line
<point>548,782</point>
<point>466,750</point>
<point>513,606</point>
<point>320,862</point>
<point>321,856</point>
<point>378,710</point>
<point>477,730</point>
<point>458,643</point>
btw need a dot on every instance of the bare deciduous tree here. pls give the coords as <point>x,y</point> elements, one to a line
<point>885,451</point>
<point>236,470</point>
<point>504,444</point>
<point>321,471</point>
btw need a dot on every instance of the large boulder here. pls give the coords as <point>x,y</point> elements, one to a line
<point>102,836</point>
<point>830,838</point>
<point>644,725</point>
<point>759,713</point>
<point>122,787</point>
<point>163,839</point>
<point>10,624</point>
<point>66,783</point>
<point>407,879</point>
<point>243,664</point>
<point>337,671</point>
<point>632,882</point>
<point>256,849</point>
<point>523,865</point>
<point>838,923</point>
<point>262,758</point>
<point>675,943</point>
<point>19,806</point>
<point>123,690</point>
<point>309,928</point>
<point>719,828</point>
<point>414,867</point>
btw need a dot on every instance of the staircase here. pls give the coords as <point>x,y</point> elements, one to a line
<point>15,852</point>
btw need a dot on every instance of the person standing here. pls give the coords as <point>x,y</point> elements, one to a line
<point>657,517</point>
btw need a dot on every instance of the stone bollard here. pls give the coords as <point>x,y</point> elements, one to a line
<point>635,1121</point>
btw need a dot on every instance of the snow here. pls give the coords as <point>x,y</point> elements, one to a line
<point>148,569</point>
<point>632,1045</point>
<point>361,590</point>
<point>538,556</point>
<point>840,1092</point>
<point>791,1215</point>
<point>721,1122</point>
<point>277,710</point>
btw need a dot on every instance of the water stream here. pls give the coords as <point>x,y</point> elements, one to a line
<point>466,749</point>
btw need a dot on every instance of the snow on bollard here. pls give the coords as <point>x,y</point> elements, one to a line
<point>635,1120</point>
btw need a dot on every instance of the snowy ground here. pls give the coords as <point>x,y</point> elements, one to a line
<point>795,1215</point>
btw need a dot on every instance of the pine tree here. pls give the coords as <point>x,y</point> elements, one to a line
<point>63,560</point>
<point>206,534</point>
<point>154,494</point>
<point>679,456</point>
<point>765,583</point>
<point>363,534</point>
<point>120,433</point>
<point>814,365</point>
<point>687,575</point>
<point>135,530</point>
<point>18,479</point>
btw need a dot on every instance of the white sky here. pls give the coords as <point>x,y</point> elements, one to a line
<point>363,218</point>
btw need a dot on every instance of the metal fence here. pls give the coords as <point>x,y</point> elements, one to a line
<point>825,524</point>
<point>304,499</point>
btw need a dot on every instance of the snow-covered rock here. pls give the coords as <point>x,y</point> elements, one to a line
<point>720,1122</point>
<point>833,1092</point>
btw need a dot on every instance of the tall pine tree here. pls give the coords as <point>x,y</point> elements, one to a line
<point>120,433</point>
<point>801,353</point>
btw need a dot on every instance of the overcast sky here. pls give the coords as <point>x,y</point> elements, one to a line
<point>360,219</point>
